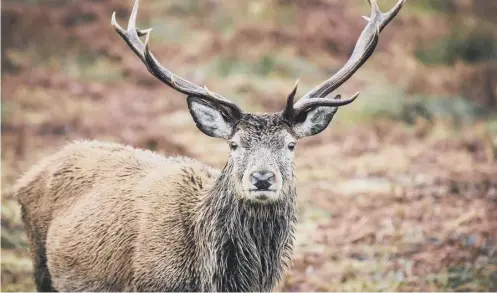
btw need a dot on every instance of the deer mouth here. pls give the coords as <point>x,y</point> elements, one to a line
<point>262,195</point>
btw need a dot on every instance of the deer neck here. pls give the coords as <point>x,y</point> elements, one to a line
<point>242,245</point>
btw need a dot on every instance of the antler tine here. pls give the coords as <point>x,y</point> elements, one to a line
<point>132,37</point>
<point>363,49</point>
<point>288,113</point>
<point>335,102</point>
<point>387,17</point>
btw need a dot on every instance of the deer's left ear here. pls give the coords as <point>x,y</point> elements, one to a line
<point>313,121</point>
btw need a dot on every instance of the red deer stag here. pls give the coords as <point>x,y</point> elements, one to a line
<point>107,217</point>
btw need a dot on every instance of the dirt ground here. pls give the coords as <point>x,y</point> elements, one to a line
<point>398,194</point>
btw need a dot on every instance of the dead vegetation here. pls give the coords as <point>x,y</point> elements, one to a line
<point>399,194</point>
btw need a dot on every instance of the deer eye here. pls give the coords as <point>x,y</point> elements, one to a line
<point>233,145</point>
<point>291,146</point>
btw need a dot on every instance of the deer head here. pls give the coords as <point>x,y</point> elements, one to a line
<point>261,157</point>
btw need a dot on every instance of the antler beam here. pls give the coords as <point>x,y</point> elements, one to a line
<point>363,49</point>
<point>132,37</point>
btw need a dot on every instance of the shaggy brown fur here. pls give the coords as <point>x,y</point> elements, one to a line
<point>114,218</point>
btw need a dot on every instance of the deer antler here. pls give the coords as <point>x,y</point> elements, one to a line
<point>132,37</point>
<point>363,49</point>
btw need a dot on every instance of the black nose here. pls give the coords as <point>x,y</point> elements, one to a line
<point>262,179</point>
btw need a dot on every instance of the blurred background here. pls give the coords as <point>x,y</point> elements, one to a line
<point>398,194</point>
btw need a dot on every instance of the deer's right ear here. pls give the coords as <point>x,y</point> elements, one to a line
<point>212,119</point>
